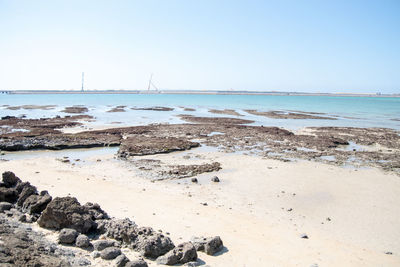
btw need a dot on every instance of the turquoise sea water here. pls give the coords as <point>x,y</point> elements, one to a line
<point>350,111</point>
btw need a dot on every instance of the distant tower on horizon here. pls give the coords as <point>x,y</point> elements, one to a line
<point>151,77</point>
<point>83,76</point>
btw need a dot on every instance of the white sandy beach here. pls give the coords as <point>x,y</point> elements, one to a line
<point>260,208</point>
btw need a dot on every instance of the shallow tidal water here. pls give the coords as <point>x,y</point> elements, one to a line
<point>349,111</point>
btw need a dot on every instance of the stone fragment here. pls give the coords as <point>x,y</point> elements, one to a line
<point>82,241</point>
<point>137,263</point>
<point>182,253</point>
<point>27,190</point>
<point>121,260</point>
<point>209,245</point>
<point>215,179</point>
<point>110,253</point>
<point>67,236</point>
<point>102,244</point>
<point>36,203</point>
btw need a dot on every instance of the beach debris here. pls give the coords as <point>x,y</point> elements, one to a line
<point>389,253</point>
<point>194,180</point>
<point>181,254</point>
<point>110,253</point>
<point>215,179</point>
<point>67,236</point>
<point>305,236</point>
<point>209,245</point>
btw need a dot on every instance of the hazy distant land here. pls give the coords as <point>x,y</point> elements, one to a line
<point>205,92</point>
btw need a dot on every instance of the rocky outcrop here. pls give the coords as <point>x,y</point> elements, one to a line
<point>155,108</point>
<point>123,230</point>
<point>66,212</point>
<point>145,240</point>
<point>36,203</point>
<point>20,246</point>
<point>9,179</point>
<point>142,145</point>
<point>182,253</point>
<point>95,211</point>
<point>73,220</point>
<point>289,115</point>
<point>27,191</point>
<point>214,120</point>
<point>75,109</point>
<point>181,171</point>
<point>151,244</point>
<point>209,245</point>
<point>8,194</point>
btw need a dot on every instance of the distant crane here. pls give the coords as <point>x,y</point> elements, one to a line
<point>151,83</point>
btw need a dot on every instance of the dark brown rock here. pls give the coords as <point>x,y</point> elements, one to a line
<point>66,212</point>
<point>209,245</point>
<point>9,179</point>
<point>182,253</point>
<point>36,203</point>
<point>141,145</point>
<point>27,190</point>
<point>110,253</point>
<point>8,194</point>
<point>67,236</point>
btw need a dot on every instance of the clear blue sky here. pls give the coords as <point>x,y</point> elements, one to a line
<point>312,46</point>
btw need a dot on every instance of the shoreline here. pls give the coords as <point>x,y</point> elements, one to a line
<point>195,92</point>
